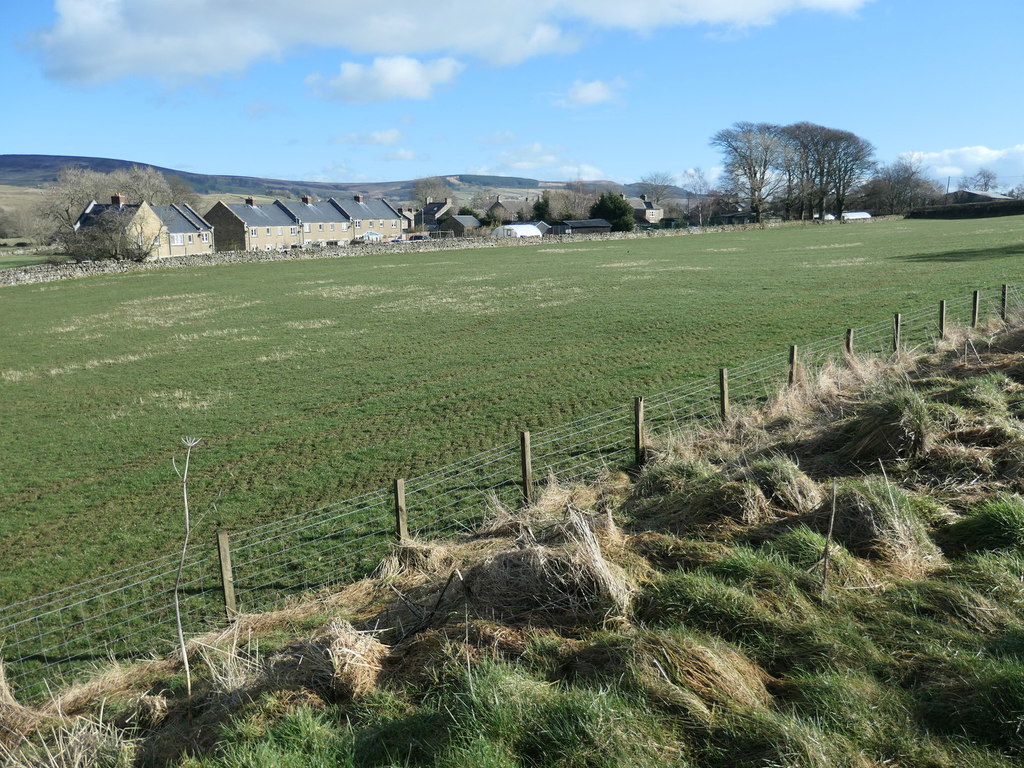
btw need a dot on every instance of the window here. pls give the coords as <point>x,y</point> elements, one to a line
<point>268,230</point>
<point>254,232</point>
<point>344,226</point>
<point>305,227</point>
<point>280,231</point>
<point>294,230</point>
<point>204,236</point>
<point>394,224</point>
<point>357,223</point>
<point>177,239</point>
<point>190,241</point>
<point>332,226</point>
<point>320,227</point>
<point>382,223</point>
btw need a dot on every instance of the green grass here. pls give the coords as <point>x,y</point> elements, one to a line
<point>25,257</point>
<point>310,381</point>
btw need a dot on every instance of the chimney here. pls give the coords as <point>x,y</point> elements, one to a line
<point>358,198</point>
<point>497,198</point>
<point>307,199</point>
<point>430,200</point>
<point>644,198</point>
<point>447,201</point>
<point>117,200</point>
<point>250,201</point>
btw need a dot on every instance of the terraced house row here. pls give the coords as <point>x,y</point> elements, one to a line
<point>178,230</point>
<point>285,224</point>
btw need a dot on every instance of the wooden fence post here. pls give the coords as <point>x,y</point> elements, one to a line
<point>942,319</point>
<point>723,392</point>
<point>639,435</point>
<point>975,300</point>
<point>526,460</point>
<point>792,365</point>
<point>848,346</point>
<point>897,333</point>
<point>227,579</point>
<point>1002,302</point>
<point>401,512</point>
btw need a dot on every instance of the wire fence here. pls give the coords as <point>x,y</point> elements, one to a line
<point>52,638</point>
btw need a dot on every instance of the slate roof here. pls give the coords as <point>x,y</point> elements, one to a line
<point>466,221</point>
<point>374,208</point>
<point>319,211</point>
<point>582,223</point>
<point>94,210</point>
<point>270,215</point>
<point>181,219</point>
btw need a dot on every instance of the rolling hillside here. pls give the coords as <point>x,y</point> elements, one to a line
<point>42,171</point>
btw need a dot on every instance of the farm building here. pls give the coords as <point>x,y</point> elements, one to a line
<point>516,230</point>
<point>460,226</point>
<point>963,196</point>
<point>582,227</point>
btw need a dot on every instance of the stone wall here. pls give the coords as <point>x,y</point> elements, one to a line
<point>43,273</point>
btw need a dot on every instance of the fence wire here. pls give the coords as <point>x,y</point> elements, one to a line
<point>49,639</point>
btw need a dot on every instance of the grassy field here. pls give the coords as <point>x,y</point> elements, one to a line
<point>313,380</point>
<point>19,257</point>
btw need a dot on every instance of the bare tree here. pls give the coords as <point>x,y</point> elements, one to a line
<point>698,184</point>
<point>431,188</point>
<point>898,187</point>
<point>115,233</point>
<point>753,154</point>
<point>657,185</point>
<point>852,159</point>
<point>983,181</point>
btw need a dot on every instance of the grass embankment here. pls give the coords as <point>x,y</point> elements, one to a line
<point>311,381</point>
<point>835,581</point>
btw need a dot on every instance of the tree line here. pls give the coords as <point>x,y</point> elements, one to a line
<point>805,170</point>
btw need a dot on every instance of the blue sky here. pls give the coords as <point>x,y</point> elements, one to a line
<point>333,90</point>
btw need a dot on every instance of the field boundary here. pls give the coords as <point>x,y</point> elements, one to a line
<point>45,273</point>
<point>53,637</point>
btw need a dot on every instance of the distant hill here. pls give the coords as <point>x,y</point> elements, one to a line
<point>42,171</point>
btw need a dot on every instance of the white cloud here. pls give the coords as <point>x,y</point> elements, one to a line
<point>390,77</point>
<point>401,155</point>
<point>1007,164</point>
<point>95,41</point>
<point>583,94</point>
<point>386,138</point>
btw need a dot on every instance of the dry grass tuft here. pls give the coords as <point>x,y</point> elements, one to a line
<point>415,558</point>
<point>895,425</point>
<point>784,484</point>
<point>876,519</point>
<point>16,721</point>
<point>79,743</point>
<point>696,674</point>
<point>147,711</point>
<point>571,580</point>
<point>340,662</point>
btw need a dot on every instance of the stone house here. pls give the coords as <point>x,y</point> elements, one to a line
<point>160,230</point>
<point>647,212</point>
<point>320,222</point>
<point>433,212</point>
<point>252,226</point>
<point>370,216</point>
